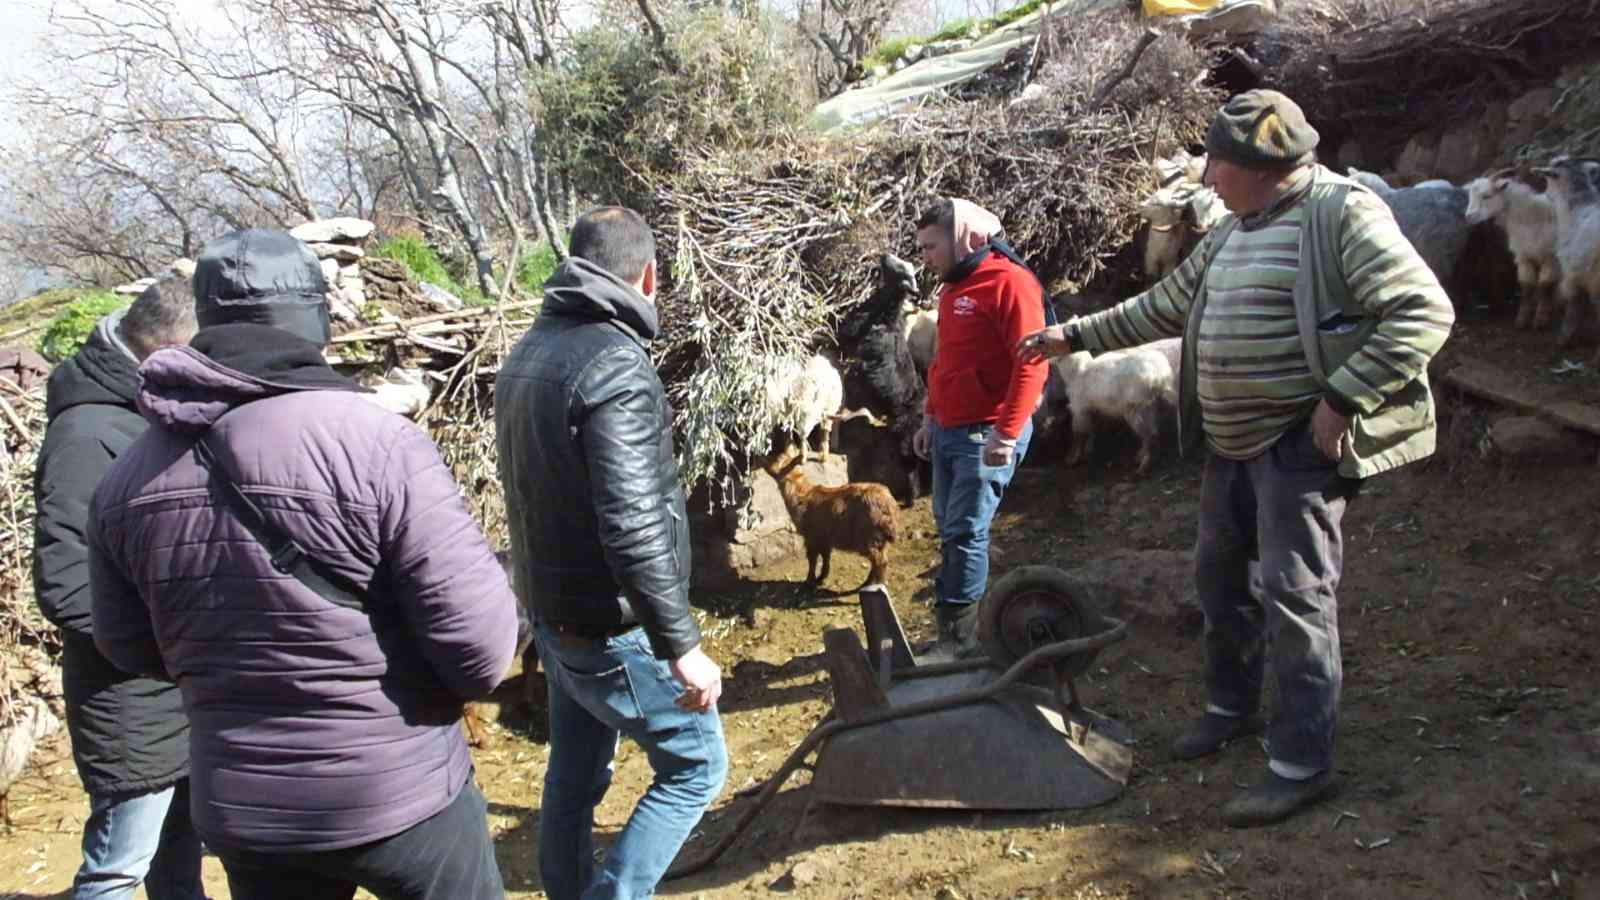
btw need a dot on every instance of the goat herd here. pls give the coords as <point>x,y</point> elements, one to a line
<point>1547,216</point>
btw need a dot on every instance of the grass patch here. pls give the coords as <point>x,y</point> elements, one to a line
<point>424,263</point>
<point>535,267</point>
<point>31,315</point>
<point>71,327</point>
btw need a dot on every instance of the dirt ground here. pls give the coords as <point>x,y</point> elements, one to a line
<point>1469,756</point>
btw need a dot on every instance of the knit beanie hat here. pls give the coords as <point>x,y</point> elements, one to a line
<point>262,277</point>
<point>1260,128</point>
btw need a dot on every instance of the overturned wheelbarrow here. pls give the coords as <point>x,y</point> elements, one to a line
<point>1006,731</point>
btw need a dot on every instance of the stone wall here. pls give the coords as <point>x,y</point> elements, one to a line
<point>1528,126</point>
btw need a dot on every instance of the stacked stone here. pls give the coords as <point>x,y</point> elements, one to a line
<point>340,245</point>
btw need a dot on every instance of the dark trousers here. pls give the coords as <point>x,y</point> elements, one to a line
<point>1282,508</point>
<point>446,857</point>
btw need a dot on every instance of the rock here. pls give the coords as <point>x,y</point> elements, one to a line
<point>1465,152</point>
<point>340,229</point>
<point>342,252</point>
<point>340,309</point>
<point>133,288</point>
<point>348,273</point>
<point>1417,160</point>
<point>385,269</point>
<point>948,893</point>
<point>806,873</point>
<point>1151,587</point>
<point>1034,91</point>
<point>1525,116</point>
<point>330,272</point>
<point>945,48</point>
<point>913,52</point>
<point>1142,586</point>
<point>756,532</point>
<point>439,298</point>
<point>898,65</point>
<point>402,391</point>
<point>1351,153</point>
<point>183,268</point>
<point>1535,440</point>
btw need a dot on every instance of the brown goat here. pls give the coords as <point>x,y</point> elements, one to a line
<point>859,517</point>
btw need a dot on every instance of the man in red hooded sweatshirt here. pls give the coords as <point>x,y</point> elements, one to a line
<point>981,399</point>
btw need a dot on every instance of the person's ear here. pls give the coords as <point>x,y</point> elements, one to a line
<point>647,286</point>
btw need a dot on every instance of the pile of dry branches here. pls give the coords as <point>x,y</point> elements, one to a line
<point>1393,67</point>
<point>769,248</point>
<point>22,627</point>
<point>459,353</point>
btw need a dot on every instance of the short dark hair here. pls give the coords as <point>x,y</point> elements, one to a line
<point>941,214</point>
<point>614,238</point>
<point>163,315</point>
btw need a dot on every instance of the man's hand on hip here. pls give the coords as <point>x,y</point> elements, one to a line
<point>999,450</point>
<point>1328,429</point>
<point>701,679</point>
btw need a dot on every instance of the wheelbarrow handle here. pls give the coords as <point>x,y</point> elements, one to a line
<point>830,726</point>
<point>1117,632</point>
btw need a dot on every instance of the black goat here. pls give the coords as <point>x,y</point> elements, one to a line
<point>881,375</point>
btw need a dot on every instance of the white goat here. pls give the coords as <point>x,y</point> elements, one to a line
<point>1179,212</point>
<point>1138,386</point>
<point>811,396</point>
<point>1574,190</point>
<point>1529,220</point>
<point>922,337</point>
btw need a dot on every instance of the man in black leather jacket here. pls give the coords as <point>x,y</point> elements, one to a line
<point>600,556</point>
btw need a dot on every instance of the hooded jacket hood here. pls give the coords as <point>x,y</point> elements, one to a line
<point>580,289</point>
<point>262,277</point>
<point>103,370</point>
<point>187,389</point>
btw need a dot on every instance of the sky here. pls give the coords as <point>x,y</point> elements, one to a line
<point>23,24</point>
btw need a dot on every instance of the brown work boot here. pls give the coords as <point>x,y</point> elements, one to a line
<point>1211,732</point>
<point>1275,799</point>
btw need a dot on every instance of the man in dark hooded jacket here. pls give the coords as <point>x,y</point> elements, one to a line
<point>130,739</point>
<point>600,554</point>
<point>323,678</point>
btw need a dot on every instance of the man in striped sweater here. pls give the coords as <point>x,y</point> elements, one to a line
<point>1308,323</point>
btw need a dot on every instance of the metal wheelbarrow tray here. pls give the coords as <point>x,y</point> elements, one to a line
<point>1002,732</point>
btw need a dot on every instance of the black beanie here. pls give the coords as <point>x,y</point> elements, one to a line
<point>262,277</point>
<point>1262,129</point>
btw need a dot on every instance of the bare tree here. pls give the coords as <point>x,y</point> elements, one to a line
<point>145,139</point>
<point>843,32</point>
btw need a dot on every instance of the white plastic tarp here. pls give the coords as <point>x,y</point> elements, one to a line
<point>864,105</point>
<point>867,104</point>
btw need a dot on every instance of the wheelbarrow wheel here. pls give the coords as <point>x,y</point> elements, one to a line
<point>1033,606</point>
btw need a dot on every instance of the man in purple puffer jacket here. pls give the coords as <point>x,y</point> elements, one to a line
<point>325,741</point>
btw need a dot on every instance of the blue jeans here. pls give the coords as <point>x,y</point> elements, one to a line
<point>966,494</point>
<point>600,690</point>
<point>140,838</point>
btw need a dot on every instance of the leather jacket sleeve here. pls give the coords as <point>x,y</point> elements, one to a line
<point>622,422</point>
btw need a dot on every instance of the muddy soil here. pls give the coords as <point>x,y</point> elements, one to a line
<point>1469,756</point>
